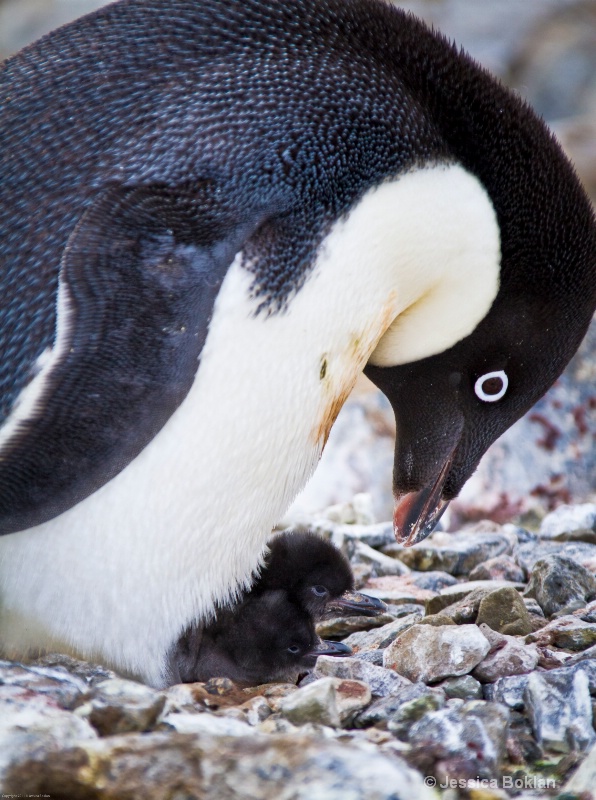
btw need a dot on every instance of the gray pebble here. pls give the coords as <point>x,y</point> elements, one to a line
<point>503,568</point>
<point>503,610</point>
<point>559,707</point>
<point>121,706</point>
<point>560,585</point>
<point>371,657</point>
<point>32,725</point>
<point>339,627</point>
<point>464,686</point>
<point>209,724</point>
<point>568,632</point>
<point>583,781</point>
<point>400,721</point>
<point>528,554</point>
<point>509,657</point>
<point>87,671</point>
<point>380,564</point>
<point>62,688</point>
<point>469,738</point>
<point>380,711</point>
<point>382,681</point>
<point>434,580</point>
<point>510,690</point>
<point>467,596</point>
<point>456,553</point>
<point>382,637</point>
<point>315,702</point>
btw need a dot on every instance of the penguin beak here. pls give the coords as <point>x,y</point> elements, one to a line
<point>358,604</point>
<point>416,513</point>
<point>432,449</point>
<point>326,648</point>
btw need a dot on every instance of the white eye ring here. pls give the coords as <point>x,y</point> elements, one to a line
<point>491,398</point>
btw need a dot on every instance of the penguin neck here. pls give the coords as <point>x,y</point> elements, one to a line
<point>420,255</point>
<point>408,272</point>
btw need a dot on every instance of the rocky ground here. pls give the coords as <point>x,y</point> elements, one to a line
<point>478,682</point>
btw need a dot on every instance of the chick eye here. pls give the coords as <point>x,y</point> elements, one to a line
<point>320,591</point>
<point>492,386</point>
<point>293,649</point>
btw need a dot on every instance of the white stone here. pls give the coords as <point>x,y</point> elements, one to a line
<point>569,518</point>
<point>315,702</point>
<point>429,653</point>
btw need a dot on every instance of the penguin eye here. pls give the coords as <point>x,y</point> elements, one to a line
<point>293,649</point>
<point>492,386</point>
<point>320,591</point>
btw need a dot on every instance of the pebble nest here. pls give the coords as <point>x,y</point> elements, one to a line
<point>478,682</point>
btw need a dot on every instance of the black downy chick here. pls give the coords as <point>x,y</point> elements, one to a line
<point>315,575</point>
<point>260,639</point>
<point>269,633</point>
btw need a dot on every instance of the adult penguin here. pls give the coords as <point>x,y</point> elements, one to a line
<point>213,216</point>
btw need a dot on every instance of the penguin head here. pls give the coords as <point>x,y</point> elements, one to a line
<point>311,570</point>
<point>315,575</point>
<point>270,638</point>
<point>451,407</point>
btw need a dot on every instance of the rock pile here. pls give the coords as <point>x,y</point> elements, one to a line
<point>480,677</point>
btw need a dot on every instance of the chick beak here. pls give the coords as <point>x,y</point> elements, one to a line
<point>326,648</point>
<point>416,513</point>
<point>356,604</point>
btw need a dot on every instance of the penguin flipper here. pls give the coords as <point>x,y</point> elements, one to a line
<point>138,280</point>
